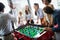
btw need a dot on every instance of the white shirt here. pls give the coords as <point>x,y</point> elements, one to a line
<point>29,16</point>
<point>40,13</point>
<point>5,23</point>
<point>21,18</point>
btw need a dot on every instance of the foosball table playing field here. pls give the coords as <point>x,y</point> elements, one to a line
<point>32,32</point>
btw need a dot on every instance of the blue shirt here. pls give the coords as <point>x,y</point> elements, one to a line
<point>40,13</point>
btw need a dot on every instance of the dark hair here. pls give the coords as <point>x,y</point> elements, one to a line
<point>27,11</point>
<point>35,13</point>
<point>49,1</point>
<point>48,10</point>
<point>2,6</point>
<point>36,4</point>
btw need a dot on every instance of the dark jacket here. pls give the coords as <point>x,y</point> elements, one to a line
<point>56,17</point>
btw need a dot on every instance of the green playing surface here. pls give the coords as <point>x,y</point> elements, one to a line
<point>30,31</point>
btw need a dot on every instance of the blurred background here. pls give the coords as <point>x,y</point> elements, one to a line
<point>20,5</point>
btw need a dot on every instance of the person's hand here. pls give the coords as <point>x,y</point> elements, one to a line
<point>30,20</point>
<point>14,30</point>
<point>14,36</point>
<point>42,22</point>
<point>37,22</point>
<point>48,29</point>
<point>45,28</point>
<point>56,26</point>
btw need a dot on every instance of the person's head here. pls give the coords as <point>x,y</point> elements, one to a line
<point>46,2</point>
<point>20,13</point>
<point>2,6</point>
<point>26,12</point>
<point>36,6</point>
<point>48,10</point>
<point>27,9</point>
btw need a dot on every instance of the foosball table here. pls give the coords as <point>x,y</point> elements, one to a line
<point>32,32</point>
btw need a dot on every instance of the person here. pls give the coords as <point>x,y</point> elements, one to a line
<point>28,15</point>
<point>49,20</point>
<point>56,23</point>
<point>47,3</point>
<point>39,13</point>
<point>6,20</point>
<point>20,18</point>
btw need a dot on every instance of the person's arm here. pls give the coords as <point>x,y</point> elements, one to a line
<point>56,23</point>
<point>37,18</point>
<point>31,17</point>
<point>25,17</point>
<point>52,6</point>
<point>41,16</point>
<point>18,20</point>
<point>13,20</point>
<point>55,27</point>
